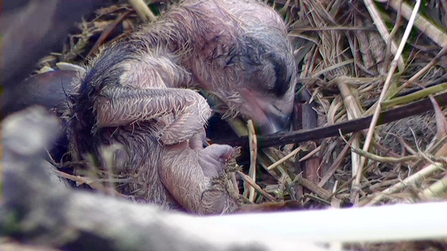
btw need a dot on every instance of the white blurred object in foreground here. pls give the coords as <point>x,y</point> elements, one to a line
<point>371,224</point>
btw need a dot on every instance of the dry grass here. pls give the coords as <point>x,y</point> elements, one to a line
<point>353,65</point>
<point>355,59</point>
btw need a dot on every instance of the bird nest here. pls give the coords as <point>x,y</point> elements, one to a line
<point>369,106</point>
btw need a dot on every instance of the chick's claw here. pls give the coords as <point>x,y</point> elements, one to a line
<point>213,159</point>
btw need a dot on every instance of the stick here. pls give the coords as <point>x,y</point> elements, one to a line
<point>345,127</point>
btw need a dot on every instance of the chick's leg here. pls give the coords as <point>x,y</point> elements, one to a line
<point>177,114</point>
<point>188,175</point>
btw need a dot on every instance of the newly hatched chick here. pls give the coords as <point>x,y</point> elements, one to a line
<point>131,95</point>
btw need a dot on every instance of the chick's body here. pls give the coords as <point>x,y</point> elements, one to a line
<point>133,93</point>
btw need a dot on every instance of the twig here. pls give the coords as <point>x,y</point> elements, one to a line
<point>335,165</point>
<point>436,189</point>
<point>253,184</point>
<point>354,111</point>
<point>143,11</point>
<point>323,193</point>
<point>419,74</point>
<point>414,96</point>
<point>106,33</point>
<point>288,156</point>
<point>253,159</point>
<point>310,154</point>
<point>381,27</point>
<point>375,118</point>
<point>423,24</point>
<point>413,179</point>
<point>344,127</point>
<point>390,160</point>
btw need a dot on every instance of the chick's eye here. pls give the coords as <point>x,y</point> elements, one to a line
<point>283,72</point>
<point>282,83</point>
<point>277,108</point>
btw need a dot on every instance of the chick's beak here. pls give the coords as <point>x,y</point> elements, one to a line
<point>270,115</point>
<point>275,122</point>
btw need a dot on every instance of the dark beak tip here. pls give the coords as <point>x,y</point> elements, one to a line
<point>275,124</point>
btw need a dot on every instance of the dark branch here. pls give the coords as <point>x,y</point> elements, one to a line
<point>345,127</point>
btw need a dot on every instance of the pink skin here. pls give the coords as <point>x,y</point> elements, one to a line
<point>192,187</point>
<point>265,111</point>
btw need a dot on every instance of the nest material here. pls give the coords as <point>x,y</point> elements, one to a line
<point>347,51</point>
